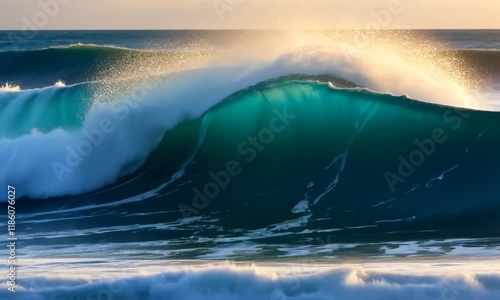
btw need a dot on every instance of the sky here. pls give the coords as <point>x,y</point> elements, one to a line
<point>249,14</point>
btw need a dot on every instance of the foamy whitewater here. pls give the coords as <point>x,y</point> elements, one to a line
<point>287,166</point>
<point>276,282</point>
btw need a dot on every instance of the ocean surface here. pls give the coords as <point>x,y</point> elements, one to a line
<point>251,164</point>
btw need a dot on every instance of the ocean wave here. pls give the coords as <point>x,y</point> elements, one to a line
<point>137,121</point>
<point>71,64</point>
<point>166,103</point>
<point>405,161</point>
<point>72,47</point>
<point>310,139</point>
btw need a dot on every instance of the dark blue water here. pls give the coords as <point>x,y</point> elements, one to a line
<point>175,39</point>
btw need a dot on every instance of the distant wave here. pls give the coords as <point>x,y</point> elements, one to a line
<point>72,47</point>
<point>72,64</point>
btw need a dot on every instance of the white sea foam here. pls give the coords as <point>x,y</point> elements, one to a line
<point>398,281</point>
<point>10,88</point>
<point>59,83</point>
